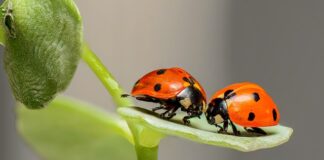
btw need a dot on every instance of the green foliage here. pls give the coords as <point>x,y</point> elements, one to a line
<point>71,130</point>
<point>43,46</point>
<point>105,77</point>
<point>200,131</point>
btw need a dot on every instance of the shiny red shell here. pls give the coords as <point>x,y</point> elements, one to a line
<point>251,106</point>
<point>164,84</point>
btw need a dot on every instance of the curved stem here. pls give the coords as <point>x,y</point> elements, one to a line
<point>144,153</point>
<point>105,77</point>
<point>146,141</point>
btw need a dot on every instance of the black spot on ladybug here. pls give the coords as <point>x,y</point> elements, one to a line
<point>192,80</point>
<point>251,116</point>
<point>137,82</point>
<point>256,96</point>
<point>189,80</point>
<point>161,71</point>
<point>186,79</point>
<point>157,87</point>
<point>229,94</point>
<point>274,114</point>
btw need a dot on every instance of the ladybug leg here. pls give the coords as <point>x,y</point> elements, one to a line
<point>191,114</point>
<point>158,108</point>
<point>218,126</point>
<point>235,131</point>
<point>164,113</point>
<point>172,114</point>
<point>259,130</point>
<point>255,130</point>
<point>224,128</point>
<point>186,118</point>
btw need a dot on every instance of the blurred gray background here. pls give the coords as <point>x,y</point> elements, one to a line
<point>278,44</point>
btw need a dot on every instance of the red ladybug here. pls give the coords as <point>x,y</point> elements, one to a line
<point>246,104</point>
<point>172,88</point>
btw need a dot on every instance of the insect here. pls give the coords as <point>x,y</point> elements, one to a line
<point>171,88</point>
<point>246,104</point>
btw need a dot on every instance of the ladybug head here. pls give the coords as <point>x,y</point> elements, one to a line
<point>192,100</point>
<point>217,111</point>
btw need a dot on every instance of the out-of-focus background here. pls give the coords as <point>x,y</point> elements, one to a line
<point>278,44</point>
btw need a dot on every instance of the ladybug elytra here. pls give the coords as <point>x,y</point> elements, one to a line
<point>172,88</point>
<point>246,104</point>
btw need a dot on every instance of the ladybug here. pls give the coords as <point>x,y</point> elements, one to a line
<point>171,88</point>
<point>246,104</point>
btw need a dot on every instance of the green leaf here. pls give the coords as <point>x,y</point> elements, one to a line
<point>70,130</point>
<point>200,131</point>
<point>42,47</point>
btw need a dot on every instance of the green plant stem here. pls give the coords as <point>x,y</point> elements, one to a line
<point>105,77</point>
<point>145,153</point>
<point>146,141</point>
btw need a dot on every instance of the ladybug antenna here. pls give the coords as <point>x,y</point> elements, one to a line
<point>125,95</point>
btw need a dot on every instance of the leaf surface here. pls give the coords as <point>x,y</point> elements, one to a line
<point>70,130</point>
<point>200,131</point>
<point>43,45</point>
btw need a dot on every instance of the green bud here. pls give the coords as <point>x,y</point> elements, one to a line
<point>42,47</point>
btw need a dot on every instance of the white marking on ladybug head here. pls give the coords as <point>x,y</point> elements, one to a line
<point>218,119</point>
<point>186,103</point>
